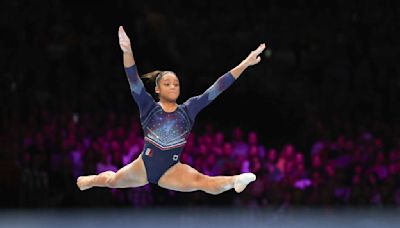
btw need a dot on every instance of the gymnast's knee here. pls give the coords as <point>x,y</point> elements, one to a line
<point>111,181</point>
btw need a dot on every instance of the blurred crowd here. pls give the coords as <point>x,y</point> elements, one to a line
<point>54,150</point>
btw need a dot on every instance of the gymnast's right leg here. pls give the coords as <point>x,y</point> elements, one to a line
<point>182,177</point>
<point>129,176</point>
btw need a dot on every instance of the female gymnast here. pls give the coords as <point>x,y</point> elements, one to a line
<point>166,126</point>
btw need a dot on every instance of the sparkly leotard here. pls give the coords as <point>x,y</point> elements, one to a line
<point>165,133</point>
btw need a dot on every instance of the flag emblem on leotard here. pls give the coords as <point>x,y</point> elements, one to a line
<point>149,152</point>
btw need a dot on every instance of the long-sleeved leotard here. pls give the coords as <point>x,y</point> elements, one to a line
<point>165,133</point>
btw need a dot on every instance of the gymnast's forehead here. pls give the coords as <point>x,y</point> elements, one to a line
<point>171,77</point>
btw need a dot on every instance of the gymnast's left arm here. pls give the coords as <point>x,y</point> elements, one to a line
<point>197,103</point>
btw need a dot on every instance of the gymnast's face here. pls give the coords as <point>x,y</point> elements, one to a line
<point>168,87</point>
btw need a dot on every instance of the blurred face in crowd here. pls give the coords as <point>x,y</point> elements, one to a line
<point>299,158</point>
<point>211,160</point>
<point>203,149</point>
<point>168,87</point>
<point>219,138</point>
<point>252,138</point>
<point>272,155</point>
<point>237,134</point>
<point>330,170</point>
<point>288,167</point>
<point>253,151</point>
<point>316,161</point>
<point>288,151</point>
<point>227,149</point>
<point>301,169</point>
<point>255,164</point>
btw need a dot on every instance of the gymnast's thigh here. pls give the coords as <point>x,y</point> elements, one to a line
<point>181,177</point>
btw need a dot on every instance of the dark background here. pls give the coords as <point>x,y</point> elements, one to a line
<point>331,68</point>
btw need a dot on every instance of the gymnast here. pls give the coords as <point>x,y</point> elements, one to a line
<point>166,125</point>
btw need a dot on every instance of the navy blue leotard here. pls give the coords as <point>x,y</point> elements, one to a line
<point>165,133</point>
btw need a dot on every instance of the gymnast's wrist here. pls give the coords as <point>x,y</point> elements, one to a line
<point>128,52</point>
<point>244,64</point>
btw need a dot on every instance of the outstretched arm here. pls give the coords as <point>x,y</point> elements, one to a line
<point>138,91</point>
<point>252,59</point>
<point>197,103</point>
<point>125,44</point>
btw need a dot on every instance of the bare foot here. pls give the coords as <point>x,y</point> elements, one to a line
<point>242,180</point>
<point>82,182</point>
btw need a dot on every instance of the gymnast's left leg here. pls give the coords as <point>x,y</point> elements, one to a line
<point>129,176</point>
<point>182,177</point>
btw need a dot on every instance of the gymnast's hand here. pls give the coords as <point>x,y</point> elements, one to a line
<point>124,41</point>
<point>254,58</point>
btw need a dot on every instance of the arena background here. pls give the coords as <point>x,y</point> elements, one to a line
<point>325,98</point>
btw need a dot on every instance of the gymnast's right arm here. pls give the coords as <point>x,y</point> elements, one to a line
<point>143,99</point>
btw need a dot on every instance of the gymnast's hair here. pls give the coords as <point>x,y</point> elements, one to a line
<point>155,76</point>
